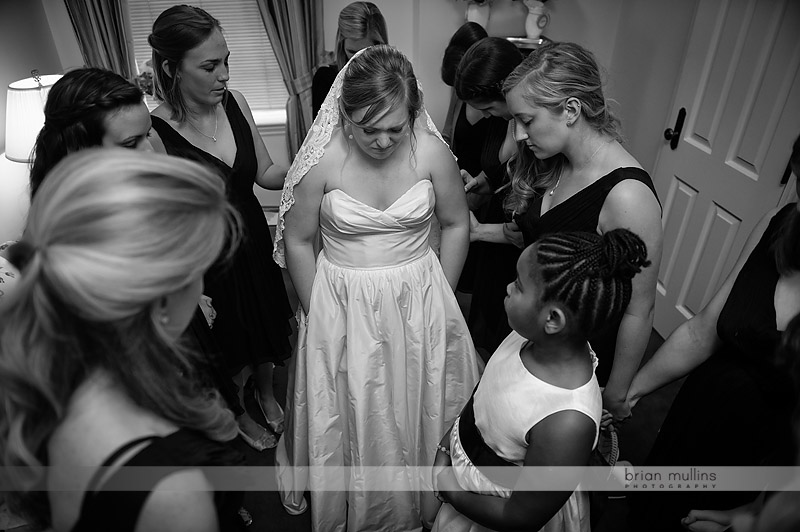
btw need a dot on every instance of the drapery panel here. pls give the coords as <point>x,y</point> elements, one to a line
<point>103,34</point>
<point>294,28</point>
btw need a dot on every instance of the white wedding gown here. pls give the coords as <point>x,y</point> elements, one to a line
<point>384,364</point>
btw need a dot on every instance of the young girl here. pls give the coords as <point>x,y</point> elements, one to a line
<point>538,402</point>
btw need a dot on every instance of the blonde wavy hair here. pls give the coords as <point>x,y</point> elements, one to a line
<point>548,77</point>
<point>109,235</point>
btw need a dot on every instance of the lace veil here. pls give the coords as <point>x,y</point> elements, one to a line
<point>314,147</point>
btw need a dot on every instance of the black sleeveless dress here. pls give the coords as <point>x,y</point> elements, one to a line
<point>107,507</point>
<point>581,212</point>
<point>734,409</point>
<point>489,266</point>
<point>253,312</point>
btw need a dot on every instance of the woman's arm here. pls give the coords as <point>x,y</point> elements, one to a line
<point>451,209</point>
<point>181,502</point>
<point>300,233</point>
<point>632,205</point>
<point>507,233</point>
<point>563,439</point>
<point>695,340</point>
<point>269,175</point>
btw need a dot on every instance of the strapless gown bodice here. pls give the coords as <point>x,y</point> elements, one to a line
<point>356,235</point>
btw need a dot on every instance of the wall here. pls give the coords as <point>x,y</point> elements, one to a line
<point>647,58</point>
<point>69,53</point>
<point>25,44</point>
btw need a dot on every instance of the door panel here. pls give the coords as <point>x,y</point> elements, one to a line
<point>740,84</point>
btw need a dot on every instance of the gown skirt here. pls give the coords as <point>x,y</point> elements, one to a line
<point>384,365</point>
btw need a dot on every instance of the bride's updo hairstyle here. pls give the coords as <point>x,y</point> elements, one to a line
<point>380,79</point>
<point>589,275</point>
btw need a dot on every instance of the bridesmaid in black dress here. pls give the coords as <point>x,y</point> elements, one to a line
<point>735,407</point>
<point>200,119</point>
<point>572,174</point>
<point>478,82</point>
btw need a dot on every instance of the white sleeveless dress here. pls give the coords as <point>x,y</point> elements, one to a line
<point>508,402</point>
<point>384,364</point>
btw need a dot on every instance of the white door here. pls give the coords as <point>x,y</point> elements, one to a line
<point>740,88</point>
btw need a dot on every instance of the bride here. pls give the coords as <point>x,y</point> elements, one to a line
<point>384,359</point>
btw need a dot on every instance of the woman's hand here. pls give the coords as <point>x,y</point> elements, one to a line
<point>513,234</point>
<point>477,184</point>
<point>606,420</point>
<point>707,521</point>
<point>619,409</point>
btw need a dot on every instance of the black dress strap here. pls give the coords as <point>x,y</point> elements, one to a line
<point>112,458</point>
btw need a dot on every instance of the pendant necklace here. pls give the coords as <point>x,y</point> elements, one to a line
<point>558,182</point>
<point>216,123</point>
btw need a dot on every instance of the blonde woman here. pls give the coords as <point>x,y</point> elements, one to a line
<point>361,24</point>
<point>92,376</point>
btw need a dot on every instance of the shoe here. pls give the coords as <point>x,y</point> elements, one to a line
<point>277,425</point>
<point>264,442</point>
<point>301,508</point>
<point>246,517</point>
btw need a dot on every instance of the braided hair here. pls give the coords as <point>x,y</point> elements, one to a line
<point>589,274</point>
<point>74,113</point>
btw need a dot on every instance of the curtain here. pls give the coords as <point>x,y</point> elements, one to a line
<point>294,28</point>
<point>103,34</point>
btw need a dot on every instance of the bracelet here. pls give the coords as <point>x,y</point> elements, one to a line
<point>444,449</point>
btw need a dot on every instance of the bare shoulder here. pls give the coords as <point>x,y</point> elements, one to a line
<point>183,501</point>
<point>432,151</point>
<point>430,142</point>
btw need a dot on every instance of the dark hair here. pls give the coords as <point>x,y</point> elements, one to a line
<point>552,74</point>
<point>74,116</point>
<point>589,274</point>
<point>176,31</point>
<point>359,20</point>
<point>464,37</point>
<point>381,79</point>
<point>484,67</point>
<point>787,243</point>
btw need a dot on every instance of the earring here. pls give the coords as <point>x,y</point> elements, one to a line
<point>164,317</point>
<point>350,136</point>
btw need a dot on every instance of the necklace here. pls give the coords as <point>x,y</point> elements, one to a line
<point>216,123</point>
<point>558,182</point>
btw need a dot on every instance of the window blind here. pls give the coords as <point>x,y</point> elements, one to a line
<point>254,70</point>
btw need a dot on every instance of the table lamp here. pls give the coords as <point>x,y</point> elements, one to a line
<point>25,114</point>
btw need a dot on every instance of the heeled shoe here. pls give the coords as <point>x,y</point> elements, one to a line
<point>264,442</point>
<point>277,425</point>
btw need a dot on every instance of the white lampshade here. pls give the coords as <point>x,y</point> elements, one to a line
<point>25,115</point>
